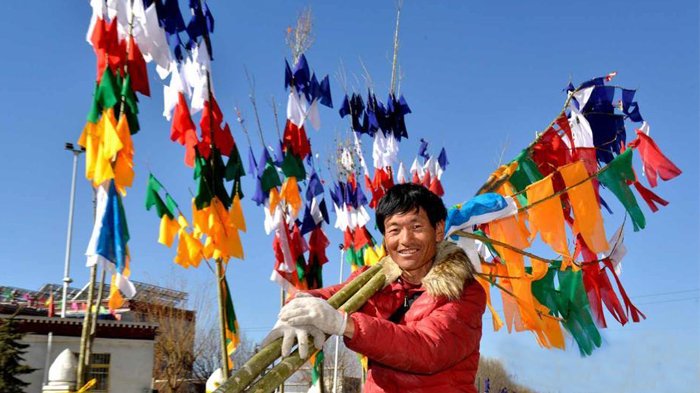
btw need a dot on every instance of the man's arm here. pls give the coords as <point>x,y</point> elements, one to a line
<point>438,341</point>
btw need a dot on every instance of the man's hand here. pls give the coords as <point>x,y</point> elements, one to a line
<point>301,333</point>
<point>303,311</point>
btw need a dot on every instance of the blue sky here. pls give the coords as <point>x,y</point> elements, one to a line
<point>481,79</point>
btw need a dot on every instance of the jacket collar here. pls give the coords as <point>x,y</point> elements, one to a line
<point>451,270</point>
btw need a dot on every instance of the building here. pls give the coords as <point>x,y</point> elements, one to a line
<point>125,351</point>
<point>122,354</point>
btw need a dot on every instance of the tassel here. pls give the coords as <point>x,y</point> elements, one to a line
<point>649,196</point>
<point>631,308</point>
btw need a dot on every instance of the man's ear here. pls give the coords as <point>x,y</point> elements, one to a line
<point>440,231</point>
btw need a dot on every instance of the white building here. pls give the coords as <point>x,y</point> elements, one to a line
<point>122,353</point>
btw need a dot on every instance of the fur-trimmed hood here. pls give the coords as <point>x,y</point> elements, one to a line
<point>451,270</point>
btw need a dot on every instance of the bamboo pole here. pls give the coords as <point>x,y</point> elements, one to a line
<point>282,297</point>
<point>337,338</point>
<point>290,364</point>
<point>267,355</point>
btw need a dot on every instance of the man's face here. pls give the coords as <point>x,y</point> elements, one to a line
<point>411,241</point>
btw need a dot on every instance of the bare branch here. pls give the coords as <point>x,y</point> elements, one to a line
<point>300,38</point>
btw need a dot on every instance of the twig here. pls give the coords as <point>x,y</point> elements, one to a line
<point>394,60</point>
<point>251,95</point>
<point>273,103</point>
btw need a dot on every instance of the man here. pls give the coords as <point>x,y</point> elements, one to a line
<point>421,332</point>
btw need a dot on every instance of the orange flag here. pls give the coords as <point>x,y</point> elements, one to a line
<point>124,164</point>
<point>588,220</point>
<point>168,230</point>
<point>547,217</point>
<point>290,193</point>
<point>235,214</point>
<point>489,269</point>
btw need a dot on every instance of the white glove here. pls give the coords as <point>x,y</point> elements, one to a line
<point>304,311</point>
<point>301,333</point>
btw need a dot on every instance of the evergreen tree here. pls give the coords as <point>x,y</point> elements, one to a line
<point>11,351</point>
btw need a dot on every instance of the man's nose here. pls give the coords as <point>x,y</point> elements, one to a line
<point>406,235</point>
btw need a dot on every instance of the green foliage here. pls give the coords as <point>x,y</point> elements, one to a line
<point>11,351</point>
<point>498,377</point>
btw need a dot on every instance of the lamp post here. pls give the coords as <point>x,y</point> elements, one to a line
<point>66,266</point>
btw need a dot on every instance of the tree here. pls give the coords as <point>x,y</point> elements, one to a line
<point>11,351</point>
<point>499,380</point>
<point>174,345</point>
<point>208,352</point>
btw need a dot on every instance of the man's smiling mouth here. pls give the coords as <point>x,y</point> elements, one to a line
<point>408,252</point>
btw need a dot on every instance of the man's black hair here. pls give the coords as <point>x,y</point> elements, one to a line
<point>406,197</point>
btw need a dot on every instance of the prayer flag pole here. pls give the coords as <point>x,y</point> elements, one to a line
<point>222,316</point>
<point>83,357</point>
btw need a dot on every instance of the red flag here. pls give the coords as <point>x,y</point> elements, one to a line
<point>550,152</point>
<point>295,139</point>
<point>436,187</point>
<point>655,162</point>
<point>190,143</point>
<point>563,123</point>
<point>137,69</point>
<point>223,140</point>
<point>182,122</point>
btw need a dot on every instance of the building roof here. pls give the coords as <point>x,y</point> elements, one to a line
<point>144,292</point>
<point>72,327</point>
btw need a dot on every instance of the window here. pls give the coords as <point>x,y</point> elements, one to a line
<point>99,369</point>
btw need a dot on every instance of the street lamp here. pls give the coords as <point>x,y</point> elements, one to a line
<point>66,267</point>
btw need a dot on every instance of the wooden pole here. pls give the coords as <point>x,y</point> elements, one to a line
<point>83,360</point>
<point>95,315</point>
<point>222,317</point>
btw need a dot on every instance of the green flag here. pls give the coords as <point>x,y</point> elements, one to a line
<point>270,178</point>
<point>153,199</point>
<point>234,166</point>
<point>619,171</point>
<point>570,302</point>
<point>231,333</point>
<point>106,95</point>
<point>525,174</point>
<point>292,166</point>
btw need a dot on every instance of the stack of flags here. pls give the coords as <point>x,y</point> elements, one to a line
<point>217,214</point>
<point>350,203</point>
<point>429,174</point>
<point>386,125</point>
<point>282,198</point>
<point>553,188</point>
<point>112,119</point>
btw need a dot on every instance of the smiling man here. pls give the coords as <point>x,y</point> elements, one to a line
<point>421,333</point>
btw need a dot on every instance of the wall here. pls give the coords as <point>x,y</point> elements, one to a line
<point>131,363</point>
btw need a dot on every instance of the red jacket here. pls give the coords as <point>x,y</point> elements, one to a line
<point>435,346</point>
